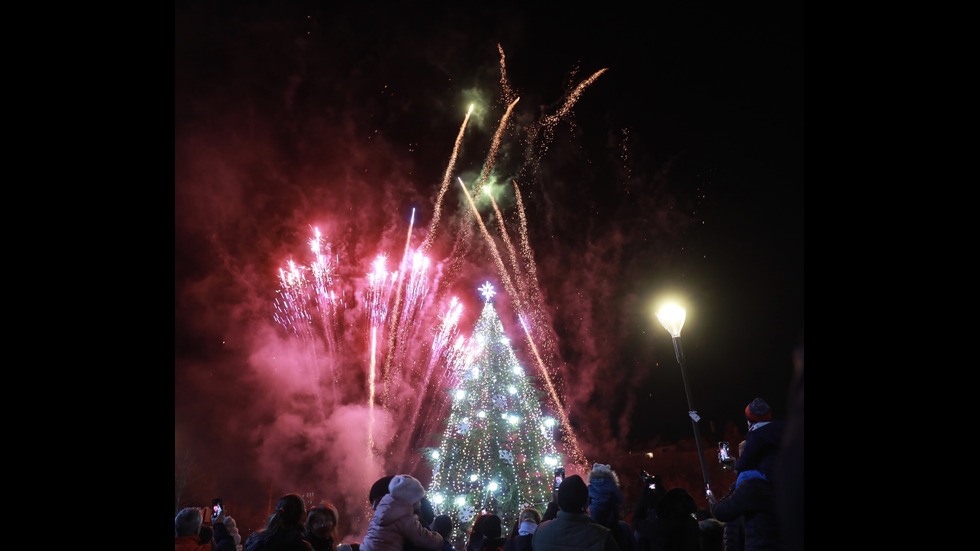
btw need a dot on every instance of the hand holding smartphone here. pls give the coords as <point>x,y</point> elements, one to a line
<point>217,505</point>
<point>559,476</point>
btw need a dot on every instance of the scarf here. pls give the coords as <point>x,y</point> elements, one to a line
<point>747,475</point>
<point>527,528</point>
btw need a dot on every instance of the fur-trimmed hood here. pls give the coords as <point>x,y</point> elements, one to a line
<point>600,471</point>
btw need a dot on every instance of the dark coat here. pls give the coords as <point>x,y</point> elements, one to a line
<point>646,505</point>
<point>573,531</point>
<point>761,448</point>
<point>734,535</point>
<point>494,544</point>
<point>519,543</point>
<point>282,540</point>
<point>753,501</point>
<point>604,496</point>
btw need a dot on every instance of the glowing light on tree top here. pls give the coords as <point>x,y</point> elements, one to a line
<point>487,291</point>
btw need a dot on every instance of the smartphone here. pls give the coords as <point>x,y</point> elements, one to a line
<point>559,476</point>
<point>723,452</point>
<point>216,505</point>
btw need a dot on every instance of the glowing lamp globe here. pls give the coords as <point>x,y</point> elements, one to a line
<point>672,318</point>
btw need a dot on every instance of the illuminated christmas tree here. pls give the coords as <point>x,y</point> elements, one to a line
<point>498,451</point>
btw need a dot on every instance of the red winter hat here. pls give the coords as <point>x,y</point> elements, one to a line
<point>758,410</point>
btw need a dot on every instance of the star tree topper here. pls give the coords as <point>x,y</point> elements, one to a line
<point>487,291</point>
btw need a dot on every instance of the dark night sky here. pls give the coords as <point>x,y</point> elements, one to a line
<point>680,168</point>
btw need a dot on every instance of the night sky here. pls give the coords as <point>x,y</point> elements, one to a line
<point>678,169</point>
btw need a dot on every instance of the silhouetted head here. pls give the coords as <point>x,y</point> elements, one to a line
<point>573,495</point>
<point>492,526</point>
<point>378,490</point>
<point>291,511</point>
<point>442,525</point>
<point>188,522</point>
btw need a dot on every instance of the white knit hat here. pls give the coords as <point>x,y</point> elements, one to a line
<point>233,530</point>
<point>406,488</point>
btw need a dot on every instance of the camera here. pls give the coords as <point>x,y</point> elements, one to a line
<point>216,506</point>
<point>724,454</point>
<point>649,480</point>
<point>559,476</point>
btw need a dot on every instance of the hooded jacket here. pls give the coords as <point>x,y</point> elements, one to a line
<point>394,523</point>
<point>604,495</point>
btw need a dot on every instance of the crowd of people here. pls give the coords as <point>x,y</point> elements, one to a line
<point>761,511</point>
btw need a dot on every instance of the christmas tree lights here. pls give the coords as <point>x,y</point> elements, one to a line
<point>498,450</point>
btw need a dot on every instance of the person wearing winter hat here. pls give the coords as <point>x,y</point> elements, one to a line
<point>572,529</point>
<point>396,522</point>
<point>573,495</point>
<point>763,441</point>
<point>232,528</point>
<point>605,500</point>
<point>604,495</point>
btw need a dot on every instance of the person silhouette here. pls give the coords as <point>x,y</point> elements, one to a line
<point>763,441</point>
<point>396,519</point>
<point>572,529</point>
<point>284,530</point>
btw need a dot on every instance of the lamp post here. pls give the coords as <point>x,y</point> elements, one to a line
<point>672,318</point>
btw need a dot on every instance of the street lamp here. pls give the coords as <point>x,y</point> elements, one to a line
<point>672,318</point>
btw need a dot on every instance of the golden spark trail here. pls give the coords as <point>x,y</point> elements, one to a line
<point>549,123</point>
<point>525,243</point>
<point>510,250</point>
<point>445,184</point>
<point>493,249</point>
<point>576,94</point>
<point>504,84</point>
<point>530,283</point>
<point>465,231</point>
<point>569,435</point>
